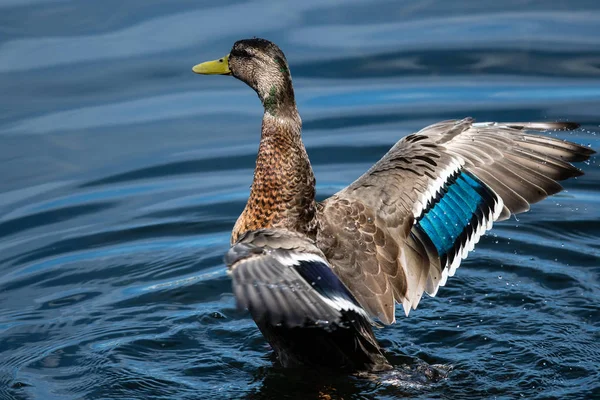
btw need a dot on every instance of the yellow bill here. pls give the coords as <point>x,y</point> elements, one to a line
<point>216,67</point>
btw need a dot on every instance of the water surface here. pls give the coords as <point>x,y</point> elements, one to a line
<point>123,174</point>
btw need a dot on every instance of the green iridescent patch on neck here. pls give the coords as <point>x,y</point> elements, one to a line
<point>282,67</point>
<point>270,101</point>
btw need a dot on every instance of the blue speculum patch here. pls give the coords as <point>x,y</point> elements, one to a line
<point>445,220</point>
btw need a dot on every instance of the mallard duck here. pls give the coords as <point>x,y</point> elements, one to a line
<point>316,277</point>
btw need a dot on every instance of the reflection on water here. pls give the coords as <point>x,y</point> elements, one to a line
<point>123,174</point>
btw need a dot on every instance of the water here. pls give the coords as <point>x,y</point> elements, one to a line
<point>123,173</point>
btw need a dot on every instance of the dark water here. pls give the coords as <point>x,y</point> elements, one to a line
<point>123,173</point>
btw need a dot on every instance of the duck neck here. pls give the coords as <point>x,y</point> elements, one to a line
<point>283,190</point>
<point>277,97</point>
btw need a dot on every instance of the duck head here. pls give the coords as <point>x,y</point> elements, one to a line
<point>262,66</point>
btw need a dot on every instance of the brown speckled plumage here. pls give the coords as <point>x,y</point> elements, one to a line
<point>283,190</point>
<point>314,275</point>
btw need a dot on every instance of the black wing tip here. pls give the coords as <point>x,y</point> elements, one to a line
<point>577,173</point>
<point>581,153</point>
<point>587,151</point>
<point>566,126</point>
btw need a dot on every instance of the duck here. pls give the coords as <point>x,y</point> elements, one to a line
<point>318,277</point>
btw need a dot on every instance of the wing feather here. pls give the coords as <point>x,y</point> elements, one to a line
<point>455,178</point>
<point>283,279</point>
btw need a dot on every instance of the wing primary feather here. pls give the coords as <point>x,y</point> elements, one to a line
<point>549,166</point>
<point>563,150</point>
<point>532,126</point>
<point>284,287</point>
<point>451,181</point>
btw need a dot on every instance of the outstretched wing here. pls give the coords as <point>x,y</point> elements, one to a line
<point>404,226</point>
<point>283,279</point>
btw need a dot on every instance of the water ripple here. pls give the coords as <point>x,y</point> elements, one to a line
<point>124,173</point>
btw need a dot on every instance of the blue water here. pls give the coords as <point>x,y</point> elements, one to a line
<point>123,174</point>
